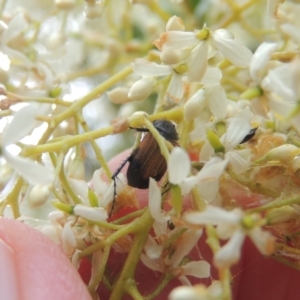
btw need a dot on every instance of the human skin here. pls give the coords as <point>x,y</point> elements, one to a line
<point>33,267</point>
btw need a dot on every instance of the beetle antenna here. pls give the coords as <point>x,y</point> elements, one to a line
<point>114,177</point>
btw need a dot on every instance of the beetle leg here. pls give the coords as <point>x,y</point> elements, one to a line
<point>114,177</point>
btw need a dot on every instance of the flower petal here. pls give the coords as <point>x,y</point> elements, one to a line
<point>184,245</point>
<point>280,81</point>
<point>68,239</point>
<point>238,163</point>
<point>195,105</point>
<point>260,59</point>
<point>198,292</point>
<point>217,101</point>
<point>80,187</point>
<point>96,262</point>
<point>212,77</point>
<point>179,165</point>
<point>263,240</point>
<point>21,125</point>
<point>33,172</point>
<point>238,128</point>
<point>152,264</point>
<point>231,252</point>
<point>212,170</point>
<point>176,40</point>
<point>16,26</point>
<point>198,269</point>
<point>198,62</point>
<point>175,88</point>
<point>155,202</point>
<point>212,215</point>
<point>292,32</point>
<point>146,68</point>
<point>236,53</point>
<point>97,214</point>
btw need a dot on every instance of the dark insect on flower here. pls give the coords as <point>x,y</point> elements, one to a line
<point>249,136</point>
<point>146,160</point>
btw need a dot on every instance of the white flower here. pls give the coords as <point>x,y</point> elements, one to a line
<point>205,43</point>
<point>213,97</point>
<point>238,128</point>
<point>22,124</point>
<point>207,179</point>
<point>235,226</point>
<point>156,259</point>
<point>148,69</point>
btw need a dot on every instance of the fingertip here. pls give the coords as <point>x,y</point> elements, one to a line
<point>39,268</point>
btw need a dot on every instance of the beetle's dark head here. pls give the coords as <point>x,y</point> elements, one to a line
<point>166,129</point>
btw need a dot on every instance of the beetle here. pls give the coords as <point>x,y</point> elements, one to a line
<point>146,160</point>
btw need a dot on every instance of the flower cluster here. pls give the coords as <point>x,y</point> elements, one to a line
<point>67,68</point>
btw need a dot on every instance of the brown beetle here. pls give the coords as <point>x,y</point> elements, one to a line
<point>147,161</point>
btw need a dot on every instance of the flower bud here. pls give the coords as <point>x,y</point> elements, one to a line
<point>284,153</point>
<point>51,232</point>
<point>68,239</point>
<point>97,214</point>
<point>39,195</point>
<point>141,89</point>
<point>94,10</point>
<point>296,164</point>
<point>63,207</point>
<point>118,95</point>
<point>137,119</point>
<point>76,168</point>
<point>175,24</point>
<point>214,141</point>
<point>172,57</point>
<point>194,105</point>
<point>55,40</point>
<point>56,216</point>
<point>65,4</point>
<point>281,215</point>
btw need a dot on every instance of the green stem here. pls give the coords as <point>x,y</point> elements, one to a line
<point>274,204</point>
<point>100,89</point>
<point>144,223</point>
<point>68,142</point>
<point>134,226</point>
<point>166,279</point>
<point>12,198</point>
<point>95,147</point>
<point>98,277</point>
<point>130,216</point>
